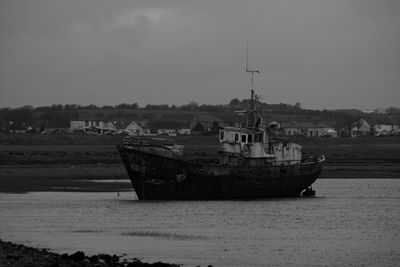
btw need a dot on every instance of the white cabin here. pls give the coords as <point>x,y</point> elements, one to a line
<point>253,144</point>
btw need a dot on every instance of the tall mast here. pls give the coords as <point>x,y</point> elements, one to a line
<point>250,118</point>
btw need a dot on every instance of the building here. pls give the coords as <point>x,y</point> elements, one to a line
<point>385,129</point>
<point>345,131</point>
<point>184,131</point>
<point>318,131</point>
<point>360,128</point>
<point>208,121</point>
<point>306,129</point>
<point>135,128</point>
<point>197,129</point>
<point>364,128</point>
<point>92,125</point>
<point>292,129</point>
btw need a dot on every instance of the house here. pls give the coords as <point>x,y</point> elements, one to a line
<point>321,131</point>
<point>54,127</point>
<point>364,128</point>
<point>345,131</point>
<point>291,128</point>
<point>360,128</point>
<point>208,122</point>
<point>184,131</point>
<point>385,129</point>
<point>135,128</point>
<point>92,126</point>
<point>354,131</point>
<point>306,129</point>
<point>197,129</point>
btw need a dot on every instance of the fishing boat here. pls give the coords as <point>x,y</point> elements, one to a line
<point>250,165</point>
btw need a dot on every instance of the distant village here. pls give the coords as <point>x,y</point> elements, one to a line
<point>191,119</point>
<point>206,125</point>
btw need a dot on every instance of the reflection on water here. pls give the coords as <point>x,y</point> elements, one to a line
<point>353,222</point>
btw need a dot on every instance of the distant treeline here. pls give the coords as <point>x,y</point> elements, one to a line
<point>192,106</point>
<point>62,114</point>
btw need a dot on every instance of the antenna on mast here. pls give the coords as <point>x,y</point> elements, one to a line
<point>247,56</point>
<point>250,120</point>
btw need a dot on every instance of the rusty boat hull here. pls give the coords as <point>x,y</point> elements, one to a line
<point>159,177</point>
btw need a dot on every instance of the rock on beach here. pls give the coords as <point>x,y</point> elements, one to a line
<point>22,256</point>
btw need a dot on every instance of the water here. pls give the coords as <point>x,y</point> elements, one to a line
<point>353,222</point>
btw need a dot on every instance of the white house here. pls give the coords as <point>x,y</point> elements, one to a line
<point>385,129</point>
<point>290,128</point>
<point>364,128</point>
<point>360,128</point>
<point>354,131</point>
<point>306,129</point>
<point>102,126</point>
<point>293,130</point>
<point>135,128</point>
<point>184,131</point>
<point>321,131</point>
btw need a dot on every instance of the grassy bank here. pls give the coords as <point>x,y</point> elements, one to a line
<point>51,165</point>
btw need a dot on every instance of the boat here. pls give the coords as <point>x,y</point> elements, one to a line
<point>250,165</point>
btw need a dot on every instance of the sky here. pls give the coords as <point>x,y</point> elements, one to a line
<point>324,54</point>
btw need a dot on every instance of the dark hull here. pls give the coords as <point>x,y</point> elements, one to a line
<point>161,178</point>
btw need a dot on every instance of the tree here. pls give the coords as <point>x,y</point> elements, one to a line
<point>392,110</point>
<point>107,107</point>
<point>127,106</point>
<point>192,106</point>
<point>234,103</point>
<point>56,107</point>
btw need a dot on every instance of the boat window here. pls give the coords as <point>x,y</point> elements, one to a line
<point>236,137</point>
<point>243,138</point>
<point>250,138</point>
<point>258,137</point>
<point>221,135</point>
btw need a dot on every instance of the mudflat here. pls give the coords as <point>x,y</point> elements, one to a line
<point>76,162</point>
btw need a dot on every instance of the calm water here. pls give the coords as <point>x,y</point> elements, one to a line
<point>352,222</point>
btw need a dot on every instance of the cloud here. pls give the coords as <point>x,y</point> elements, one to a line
<point>135,16</point>
<point>104,52</point>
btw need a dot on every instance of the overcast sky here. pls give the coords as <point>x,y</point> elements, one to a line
<point>322,53</point>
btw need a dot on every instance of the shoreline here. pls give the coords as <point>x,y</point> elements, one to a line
<point>12,254</point>
<point>87,178</point>
<point>55,167</point>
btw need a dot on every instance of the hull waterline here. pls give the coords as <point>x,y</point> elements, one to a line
<point>155,177</point>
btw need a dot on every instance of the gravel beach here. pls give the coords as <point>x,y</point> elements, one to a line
<point>14,255</point>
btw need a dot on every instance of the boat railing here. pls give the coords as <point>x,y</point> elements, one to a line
<point>309,158</point>
<point>138,140</point>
